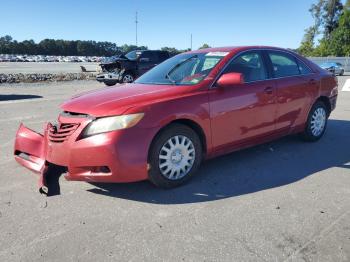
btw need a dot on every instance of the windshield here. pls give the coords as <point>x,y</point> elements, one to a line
<point>133,55</point>
<point>183,69</point>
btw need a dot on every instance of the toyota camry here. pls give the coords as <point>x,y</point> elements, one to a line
<point>191,107</point>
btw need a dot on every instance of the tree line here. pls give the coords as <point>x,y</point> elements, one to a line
<point>71,47</point>
<point>330,33</point>
<point>62,47</point>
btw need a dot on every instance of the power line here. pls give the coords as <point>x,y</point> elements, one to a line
<point>191,42</point>
<point>136,22</point>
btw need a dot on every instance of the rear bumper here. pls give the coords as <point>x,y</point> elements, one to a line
<point>333,102</point>
<point>110,157</point>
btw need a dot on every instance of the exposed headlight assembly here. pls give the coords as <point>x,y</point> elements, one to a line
<point>111,123</point>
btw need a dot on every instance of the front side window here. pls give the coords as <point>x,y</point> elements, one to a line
<point>283,64</point>
<point>132,55</point>
<point>183,69</point>
<point>250,64</point>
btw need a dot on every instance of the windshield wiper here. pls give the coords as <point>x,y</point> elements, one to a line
<point>167,76</point>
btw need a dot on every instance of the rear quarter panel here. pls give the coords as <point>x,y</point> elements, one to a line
<point>328,83</point>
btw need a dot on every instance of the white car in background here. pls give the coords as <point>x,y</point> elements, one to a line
<point>333,67</point>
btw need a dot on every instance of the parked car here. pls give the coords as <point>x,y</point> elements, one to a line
<point>333,67</point>
<point>126,68</point>
<point>193,106</point>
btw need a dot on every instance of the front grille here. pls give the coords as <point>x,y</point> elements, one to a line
<point>61,132</point>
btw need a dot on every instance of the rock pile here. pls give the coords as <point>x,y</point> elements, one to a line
<point>37,77</point>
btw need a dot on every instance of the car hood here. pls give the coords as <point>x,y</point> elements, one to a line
<point>116,59</point>
<point>118,99</point>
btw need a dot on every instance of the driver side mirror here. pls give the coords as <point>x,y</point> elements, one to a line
<point>230,79</point>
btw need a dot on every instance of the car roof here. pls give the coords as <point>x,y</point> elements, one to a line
<point>150,50</point>
<point>237,48</point>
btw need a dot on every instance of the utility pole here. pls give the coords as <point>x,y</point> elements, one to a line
<point>136,22</point>
<point>191,41</point>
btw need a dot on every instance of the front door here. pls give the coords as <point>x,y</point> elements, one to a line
<point>244,112</point>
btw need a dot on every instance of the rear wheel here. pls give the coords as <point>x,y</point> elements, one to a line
<point>175,156</point>
<point>316,123</point>
<point>341,72</point>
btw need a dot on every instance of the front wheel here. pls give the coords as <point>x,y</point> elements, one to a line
<point>316,122</point>
<point>341,72</point>
<point>127,78</point>
<point>110,83</point>
<point>175,156</point>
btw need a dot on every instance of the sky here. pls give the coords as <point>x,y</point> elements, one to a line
<point>161,23</point>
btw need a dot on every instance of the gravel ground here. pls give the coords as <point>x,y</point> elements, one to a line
<point>282,201</point>
<point>44,67</point>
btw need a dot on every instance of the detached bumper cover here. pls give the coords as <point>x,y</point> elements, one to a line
<point>108,157</point>
<point>29,141</point>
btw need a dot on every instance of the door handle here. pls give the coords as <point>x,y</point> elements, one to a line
<point>268,90</point>
<point>312,82</point>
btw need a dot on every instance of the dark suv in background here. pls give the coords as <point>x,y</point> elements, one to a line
<point>126,68</point>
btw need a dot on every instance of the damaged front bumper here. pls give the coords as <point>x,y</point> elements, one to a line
<point>29,151</point>
<point>110,77</point>
<point>107,157</point>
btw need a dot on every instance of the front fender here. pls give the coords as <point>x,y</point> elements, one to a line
<point>192,107</point>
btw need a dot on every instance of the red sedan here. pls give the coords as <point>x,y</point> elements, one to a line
<point>191,107</point>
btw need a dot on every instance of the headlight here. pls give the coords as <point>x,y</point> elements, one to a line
<point>106,124</point>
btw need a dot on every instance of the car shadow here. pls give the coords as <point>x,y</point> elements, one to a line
<point>17,97</point>
<point>263,167</point>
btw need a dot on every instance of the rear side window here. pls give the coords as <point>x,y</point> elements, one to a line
<point>148,55</point>
<point>304,70</point>
<point>283,64</point>
<point>162,56</point>
<point>250,64</point>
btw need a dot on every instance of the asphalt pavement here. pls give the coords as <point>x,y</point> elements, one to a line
<point>283,201</point>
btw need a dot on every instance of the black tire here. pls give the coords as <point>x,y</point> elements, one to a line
<point>110,83</point>
<point>155,174</point>
<point>308,134</point>
<point>342,72</point>
<point>127,78</point>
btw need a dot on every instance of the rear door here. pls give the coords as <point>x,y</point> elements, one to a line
<point>162,56</point>
<point>146,61</point>
<point>242,113</point>
<point>296,86</point>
